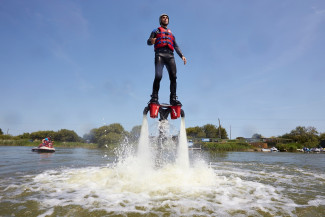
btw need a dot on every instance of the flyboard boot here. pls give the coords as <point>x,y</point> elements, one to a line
<point>173,100</point>
<point>164,110</point>
<point>153,106</point>
<point>154,99</point>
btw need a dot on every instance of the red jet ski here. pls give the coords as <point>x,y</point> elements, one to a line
<point>44,148</point>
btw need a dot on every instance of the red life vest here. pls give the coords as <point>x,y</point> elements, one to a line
<point>164,38</point>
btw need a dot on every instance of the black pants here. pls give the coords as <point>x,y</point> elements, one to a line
<point>161,60</point>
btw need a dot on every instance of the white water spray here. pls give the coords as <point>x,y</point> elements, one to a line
<point>162,145</point>
<point>182,153</point>
<point>144,154</point>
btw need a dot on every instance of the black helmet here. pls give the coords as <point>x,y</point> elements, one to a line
<point>161,17</point>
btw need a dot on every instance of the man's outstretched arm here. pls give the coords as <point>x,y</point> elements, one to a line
<point>179,52</point>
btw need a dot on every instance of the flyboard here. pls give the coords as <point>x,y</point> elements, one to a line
<point>163,110</point>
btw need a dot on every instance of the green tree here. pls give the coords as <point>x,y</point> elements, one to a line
<point>65,135</point>
<point>39,135</point>
<point>322,137</point>
<point>5,137</point>
<point>223,132</point>
<point>135,134</point>
<point>110,138</point>
<point>25,136</point>
<point>303,135</point>
<point>195,132</point>
<point>210,131</point>
<point>106,135</point>
<point>201,134</point>
<point>322,140</point>
<point>1,133</point>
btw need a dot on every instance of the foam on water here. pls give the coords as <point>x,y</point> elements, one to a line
<point>126,188</point>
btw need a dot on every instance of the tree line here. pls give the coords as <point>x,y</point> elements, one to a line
<point>106,135</point>
<point>207,131</point>
<point>62,135</point>
<point>307,136</point>
<point>114,134</point>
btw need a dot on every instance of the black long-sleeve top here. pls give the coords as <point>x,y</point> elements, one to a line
<point>166,48</point>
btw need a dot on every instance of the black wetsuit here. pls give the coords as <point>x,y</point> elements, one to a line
<point>164,56</point>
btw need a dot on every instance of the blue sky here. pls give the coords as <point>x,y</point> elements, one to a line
<point>258,65</point>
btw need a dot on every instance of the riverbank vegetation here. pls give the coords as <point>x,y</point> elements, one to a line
<point>108,136</point>
<point>208,137</point>
<point>227,146</point>
<point>28,142</point>
<point>215,138</point>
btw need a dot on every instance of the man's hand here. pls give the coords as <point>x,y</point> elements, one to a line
<point>153,40</point>
<point>184,59</point>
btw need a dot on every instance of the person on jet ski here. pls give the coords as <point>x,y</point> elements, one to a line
<point>164,45</point>
<point>44,142</point>
<point>50,143</point>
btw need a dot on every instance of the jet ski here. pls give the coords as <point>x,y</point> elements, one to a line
<point>44,149</point>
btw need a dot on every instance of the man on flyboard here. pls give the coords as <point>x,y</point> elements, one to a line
<point>164,43</point>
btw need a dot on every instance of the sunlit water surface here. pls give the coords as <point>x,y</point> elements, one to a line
<point>91,182</point>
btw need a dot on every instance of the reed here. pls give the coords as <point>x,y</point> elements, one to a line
<point>18,142</point>
<point>75,145</point>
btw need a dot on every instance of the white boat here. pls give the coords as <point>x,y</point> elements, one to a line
<point>266,150</point>
<point>317,150</point>
<point>274,149</point>
<point>43,149</point>
<point>194,148</point>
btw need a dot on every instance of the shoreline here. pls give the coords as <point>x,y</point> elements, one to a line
<point>95,146</point>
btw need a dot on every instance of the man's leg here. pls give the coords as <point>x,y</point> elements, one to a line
<point>171,67</point>
<point>159,64</point>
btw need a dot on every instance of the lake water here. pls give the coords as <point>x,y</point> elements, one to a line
<point>91,182</point>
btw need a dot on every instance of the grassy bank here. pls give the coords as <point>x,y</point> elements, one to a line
<point>26,142</point>
<point>18,142</point>
<point>75,145</point>
<point>227,146</point>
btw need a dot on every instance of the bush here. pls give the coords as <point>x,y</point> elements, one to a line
<point>106,135</point>
<point>39,135</point>
<point>65,135</point>
<point>229,146</point>
<point>5,137</point>
<point>291,147</point>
